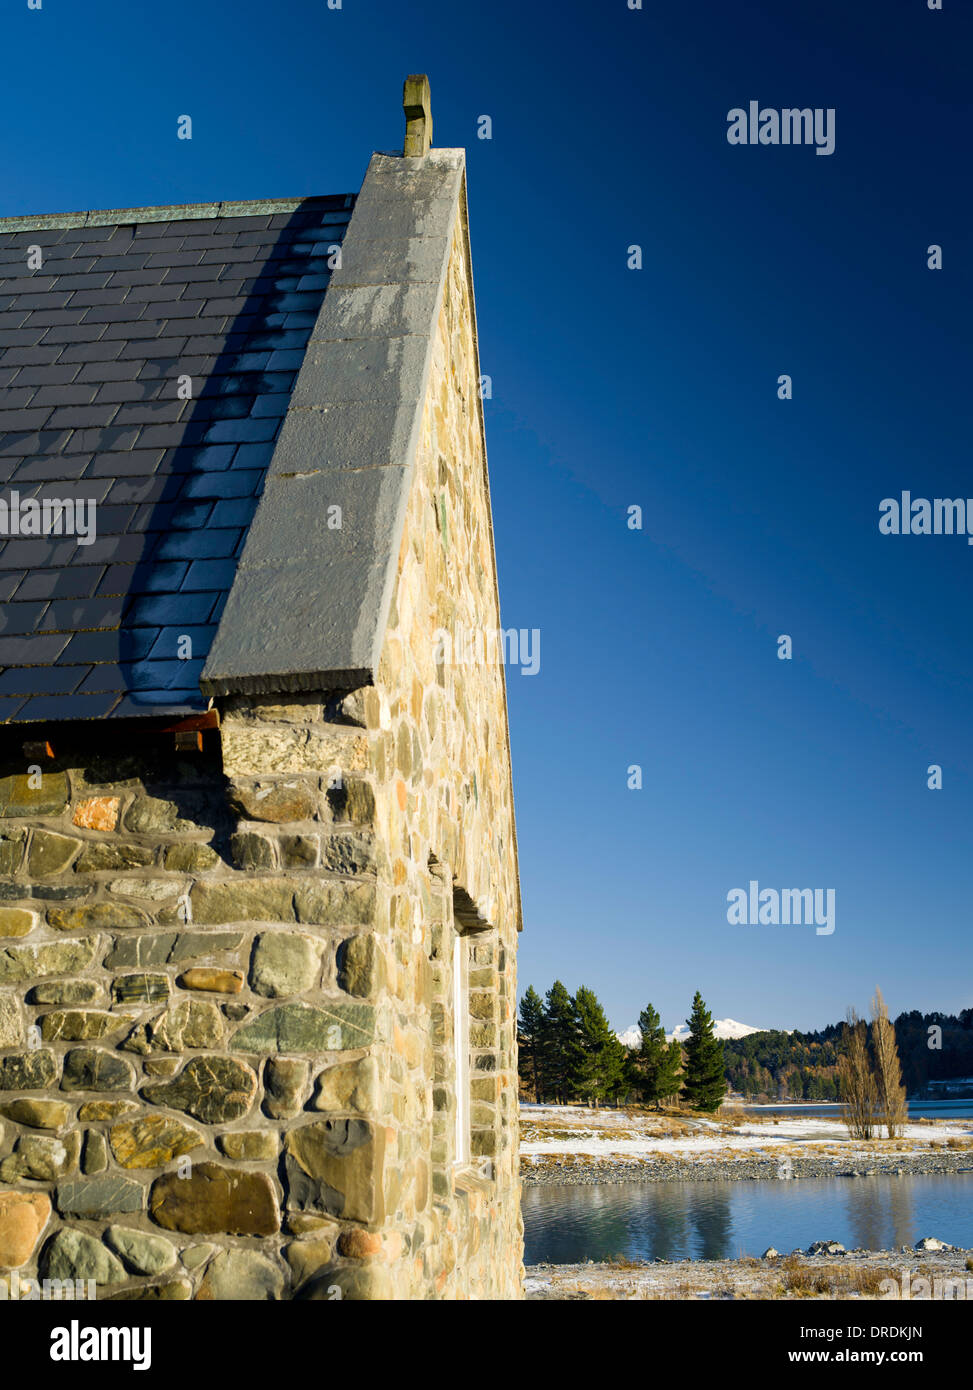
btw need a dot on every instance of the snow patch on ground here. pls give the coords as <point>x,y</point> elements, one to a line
<point>595,1133</point>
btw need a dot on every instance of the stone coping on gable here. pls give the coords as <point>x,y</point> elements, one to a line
<point>309,604</point>
<point>173,212</point>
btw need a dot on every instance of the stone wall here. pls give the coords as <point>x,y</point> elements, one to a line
<point>441,762</point>
<point>184,972</point>
<point>226,1009</point>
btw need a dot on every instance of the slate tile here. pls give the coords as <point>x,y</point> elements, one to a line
<point>32,651</point>
<point>145,328</point>
<point>139,489</point>
<point>131,260</point>
<point>286,361</point>
<point>28,284</point>
<point>221,241</point>
<point>32,419</point>
<point>148,348</point>
<point>274,406</point>
<point>212,458</point>
<point>56,707</point>
<point>160,675</point>
<point>121,392</point>
<point>109,646</point>
<point>56,466</point>
<point>41,680</point>
<point>235,255</point>
<point>167,516</point>
<point>225,288</point>
<point>105,676</point>
<point>254,455</point>
<point>73,615</point>
<point>36,552</point>
<point>74,581</point>
<point>92,298</point>
<point>18,398</point>
<point>107,371</point>
<point>241,431</point>
<point>91,352</point>
<point>165,702</point>
<point>117,550</point>
<point>165,257</point>
<point>108,439</point>
<point>71,334</point>
<point>50,374</point>
<point>222,407</point>
<point>152,290</point>
<point>188,273</point>
<point>131,270</point>
<point>17,619</point>
<point>170,641</point>
<point>211,325</point>
<point>146,578</point>
<point>112,521</point>
<point>154,412</point>
<point>162,436</point>
<point>39,442</point>
<point>238,483</point>
<point>33,356</point>
<point>65,393</point>
<point>235,513</point>
<point>83,283</point>
<point>52,306</point>
<point>159,610</point>
<point>76,417</point>
<point>210,574</point>
<point>210,544</point>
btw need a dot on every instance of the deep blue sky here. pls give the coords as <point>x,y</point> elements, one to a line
<point>655,387</point>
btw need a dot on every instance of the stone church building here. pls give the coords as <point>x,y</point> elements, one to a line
<point>259,897</point>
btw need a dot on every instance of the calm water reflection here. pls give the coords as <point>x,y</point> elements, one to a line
<point>715,1220</point>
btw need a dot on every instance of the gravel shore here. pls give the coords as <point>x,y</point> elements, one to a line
<point>855,1274</point>
<point>584,1171</point>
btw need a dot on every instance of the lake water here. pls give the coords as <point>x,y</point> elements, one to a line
<point>933,1109</point>
<point>722,1220</point>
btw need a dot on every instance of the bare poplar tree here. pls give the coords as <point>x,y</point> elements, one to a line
<point>892,1107</point>
<point>856,1082</point>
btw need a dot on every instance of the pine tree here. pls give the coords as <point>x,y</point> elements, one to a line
<point>559,1043</point>
<point>530,1039</point>
<point>656,1064</point>
<point>705,1081</point>
<point>600,1066</point>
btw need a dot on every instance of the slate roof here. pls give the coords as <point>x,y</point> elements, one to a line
<point>93,343</point>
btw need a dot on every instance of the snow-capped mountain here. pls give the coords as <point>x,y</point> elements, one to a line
<point>722,1027</point>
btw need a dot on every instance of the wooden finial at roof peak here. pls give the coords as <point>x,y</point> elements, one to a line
<point>418,116</point>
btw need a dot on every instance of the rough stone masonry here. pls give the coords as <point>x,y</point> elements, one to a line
<point>228,1062</point>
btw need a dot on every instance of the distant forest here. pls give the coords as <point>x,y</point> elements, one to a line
<point>803,1066</point>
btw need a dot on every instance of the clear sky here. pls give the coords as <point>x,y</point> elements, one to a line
<point>655,387</point>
